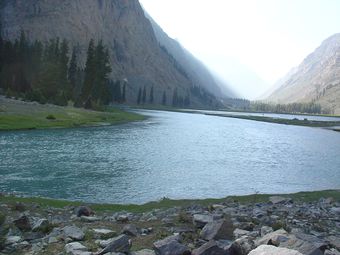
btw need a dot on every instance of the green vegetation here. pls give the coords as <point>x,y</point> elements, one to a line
<point>34,116</point>
<point>297,122</point>
<point>169,203</point>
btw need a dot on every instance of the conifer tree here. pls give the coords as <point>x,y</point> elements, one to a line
<point>144,95</point>
<point>151,96</point>
<point>139,98</point>
<point>164,98</point>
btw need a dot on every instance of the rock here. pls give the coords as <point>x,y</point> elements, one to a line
<point>274,238</point>
<point>89,219</point>
<point>83,211</point>
<point>130,230</point>
<point>219,229</point>
<point>279,200</point>
<point>200,220</point>
<point>306,244</point>
<point>103,233</point>
<point>74,233</point>
<point>272,250</point>
<point>40,225</point>
<point>12,240</point>
<point>122,218</point>
<point>170,246</point>
<point>23,223</point>
<point>144,252</point>
<point>241,246</point>
<point>332,252</point>
<point>76,248</point>
<point>210,248</point>
<point>240,232</point>
<point>118,244</point>
<point>265,230</point>
<point>52,239</point>
<point>334,241</point>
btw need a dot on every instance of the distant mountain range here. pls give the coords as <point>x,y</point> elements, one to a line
<point>316,79</point>
<point>141,54</point>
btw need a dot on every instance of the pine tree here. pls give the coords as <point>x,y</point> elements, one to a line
<point>72,72</point>
<point>175,98</point>
<point>124,94</point>
<point>164,98</point>
<point>139,96</point>
<point>144,95</point>
<point>90,74</point>
<point>151,96</point>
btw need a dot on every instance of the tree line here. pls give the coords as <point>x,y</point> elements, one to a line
<point>46,73</point>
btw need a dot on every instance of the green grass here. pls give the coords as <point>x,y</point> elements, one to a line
<point>40,117</point>
<point>296,122</point>
<point>169,203</point>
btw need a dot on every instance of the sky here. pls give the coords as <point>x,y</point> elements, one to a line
<point>248,43</point>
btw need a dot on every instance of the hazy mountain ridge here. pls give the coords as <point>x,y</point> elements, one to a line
<point>316,79</point>
<point>196,70</point>
<point>135,53</point>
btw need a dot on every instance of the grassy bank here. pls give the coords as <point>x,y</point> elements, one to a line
<point>18,115</point>
<point>296,122</point>
<point>168,203</point>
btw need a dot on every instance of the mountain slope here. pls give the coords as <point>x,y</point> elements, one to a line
<point>316,79</point>
<point>196,70</point>
<point>135,54</point>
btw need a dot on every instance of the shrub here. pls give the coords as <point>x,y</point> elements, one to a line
<point>50,117</point>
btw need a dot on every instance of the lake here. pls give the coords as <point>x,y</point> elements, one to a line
<point>174,155</point>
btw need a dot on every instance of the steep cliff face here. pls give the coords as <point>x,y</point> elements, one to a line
<point>316,79</point>
<point>197,71</point>
<point>134,50</point>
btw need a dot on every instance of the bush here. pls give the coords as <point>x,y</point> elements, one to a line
<point>51,117</point>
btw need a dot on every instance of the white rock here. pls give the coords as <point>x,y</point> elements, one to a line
<point>76,248</point>
<point>12,240</point>
<point>271,250</point>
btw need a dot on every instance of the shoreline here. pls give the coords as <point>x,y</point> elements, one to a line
<point>304,222</point>
<point>305,196</point>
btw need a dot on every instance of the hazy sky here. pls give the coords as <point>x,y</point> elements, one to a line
<point>249,43</point>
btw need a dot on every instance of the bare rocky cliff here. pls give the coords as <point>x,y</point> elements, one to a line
<point>135,53</point>
<point>316,79</point>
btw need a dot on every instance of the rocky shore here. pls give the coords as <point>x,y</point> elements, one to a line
<point>280,225</point>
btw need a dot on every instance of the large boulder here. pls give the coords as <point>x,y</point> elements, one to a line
<point>200,220</point>
<point>76,248</point>
<point>74,233</point>
<point>23,223</point>
<point>130,230</point>
<point>210,248</point>
<point>241,246</point>
<point>272,250</point>
<point>274,238</point>
<point>118,244</point>
<point>219,229</point>
<point>306,244</point>
<point>170,246</point>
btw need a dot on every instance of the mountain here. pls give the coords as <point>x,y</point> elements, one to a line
<point>135,53</point>
<point>316,79</point>
<point>196,70</point>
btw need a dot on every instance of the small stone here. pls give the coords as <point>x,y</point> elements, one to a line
<point>332,252</point>
<point>75,248</point>
<point>40,225</point>
<point>200,220</point>
<point>74,233</point>
<point>279,200</point>
<point>271,250</point>
<point>83,211</point>
<point>273,238</point>
<point>130,230</point>
<point>240,232</point>
<point>210,248</point>
<point>89,219</point>
<point>144,252</point>
<point>122,218</point>
<point>265,230</point>
<point>12,240</point>
<point>170,246</point>
<point>241,246</point>
<point>103,233</point>
<point>118,244</point>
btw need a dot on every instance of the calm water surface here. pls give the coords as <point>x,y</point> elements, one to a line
<point>175,155</point>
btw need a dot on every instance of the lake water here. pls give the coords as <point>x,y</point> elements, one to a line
<point>175,155</point>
